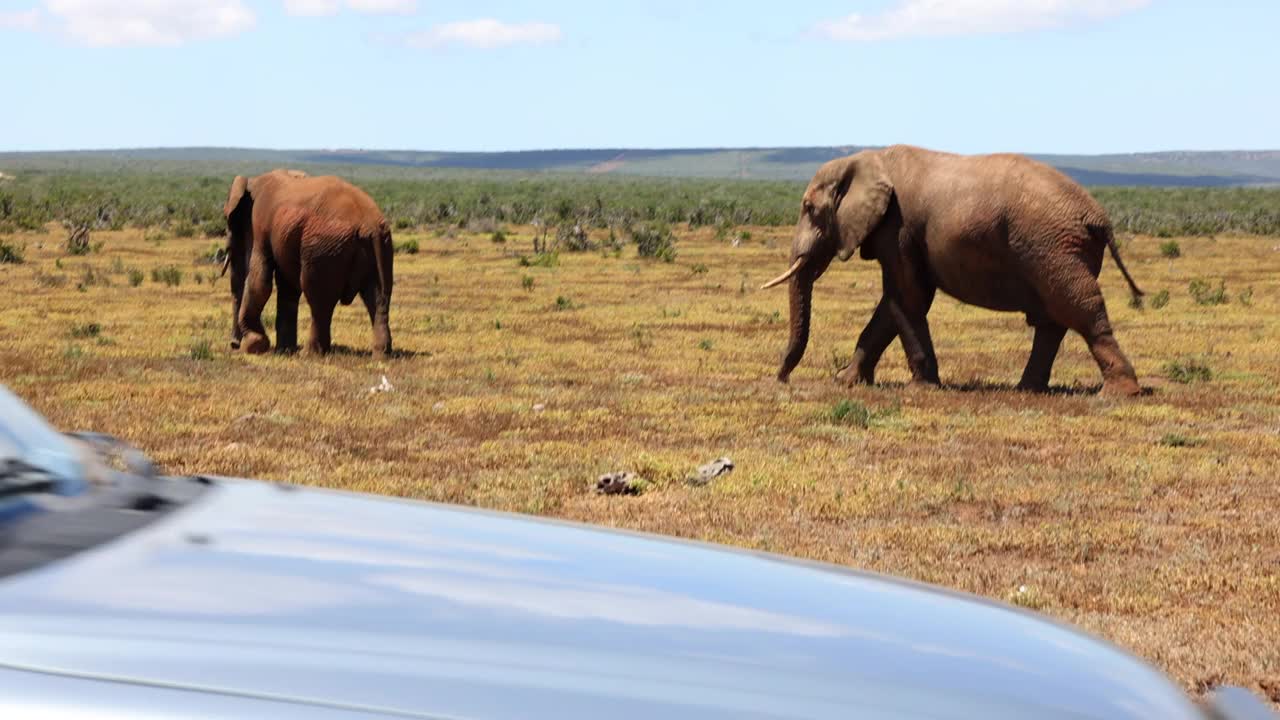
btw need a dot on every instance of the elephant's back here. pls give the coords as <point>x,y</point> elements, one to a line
<point>338,202</point>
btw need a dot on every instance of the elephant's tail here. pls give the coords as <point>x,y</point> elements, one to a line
<point>1106,234</point>
<point>383,252</point>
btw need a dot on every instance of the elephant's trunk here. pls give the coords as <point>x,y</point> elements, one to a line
<point>801,296</point>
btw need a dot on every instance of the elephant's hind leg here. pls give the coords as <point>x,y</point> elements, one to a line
<point>286,317</point>
<point>378,316</point>
<point>1044,349</point>
<point>322,307</point>
<point>1085,312</point>
<point>876,337</point>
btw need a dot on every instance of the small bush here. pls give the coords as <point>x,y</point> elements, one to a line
<point>1188,370</point>
<point>407,247</point>
<point>564,303</point>
<point>169,275</point>
<point>655,241</point>
<point>91,277</point>
<point>542,259</point>
<point>216,227</point>
<point>1160,299</point>
<point>201,350</point>
<point>49,280</point>
<point>573,238</point>
<point>184,230</point>
<point>1170,249</point>
<point>498,237</point>
<point>73,352</point>
<point>136,277</point>
<point>1206,294</point>
<point>849,412</point>
<point>1178,440</point>
<point>12,253</point>
<point>86,330</point>
<point>699,269</point>
<point>403,223</point>
<point>526,282</point>
<point>1246,296</point>
<point>705,344</point>
<point>78,242</point>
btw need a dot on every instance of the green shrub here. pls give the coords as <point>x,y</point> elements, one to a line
<point>1206,294</point>
<point>699,269</point>
<point>564,303</point>
<point>855,414</point>
<point>850,412</point>
<point>1160,299</point>
<point>409,247</point>
<point>78,242</point>
<point>213,227</point>
<point>169,275</point>
<point>184,230</point>
<point>1178,440</point>
<point>1246,296</point>
<point>705,344</point>
<point>526,282</point>
<point>91,276</point>
<point>498,237</point>
<point>655,241</point>
<point>1170,249</point>
<point>201,350</point>
<point>1188,370</point>
<point>542,259</point>
<point>12,253</point>
<point>136,277</point>
<point>86,330</point>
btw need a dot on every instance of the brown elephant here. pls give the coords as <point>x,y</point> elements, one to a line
<point>321,237</point>
<point>999,231</point>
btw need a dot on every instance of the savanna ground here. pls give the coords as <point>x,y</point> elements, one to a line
<point>1152,521</point>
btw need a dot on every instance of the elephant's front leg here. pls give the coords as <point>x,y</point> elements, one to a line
<point>874,340</point>
<point>257,291</point>
<point>909,298</point>
<point>1044,349</point>
<point>286,316</point>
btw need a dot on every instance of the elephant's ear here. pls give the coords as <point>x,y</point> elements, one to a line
<point>239,193</point>
<point>862,198</point>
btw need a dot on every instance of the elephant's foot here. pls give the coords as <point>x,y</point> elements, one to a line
<point>235,344</point>
<point>287,349</point>
<point>254,343</point>
<point>850,376</point>
<point>1032,387</point>
<point>1123,386</point>
<point>924,383</point>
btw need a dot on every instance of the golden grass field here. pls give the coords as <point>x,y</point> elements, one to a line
<point>1154,522</point>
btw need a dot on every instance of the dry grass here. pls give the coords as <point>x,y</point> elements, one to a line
<point>1152,522</point>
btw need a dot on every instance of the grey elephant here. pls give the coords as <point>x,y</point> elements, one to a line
<point>1001,231</point>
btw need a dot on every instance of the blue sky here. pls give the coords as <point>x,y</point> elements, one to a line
<point>1084,76</point>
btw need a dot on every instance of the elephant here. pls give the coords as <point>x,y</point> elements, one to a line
<point>997,231</point>
<point>321,237</point>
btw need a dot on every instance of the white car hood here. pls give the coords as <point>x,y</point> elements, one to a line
<point>432,611</point>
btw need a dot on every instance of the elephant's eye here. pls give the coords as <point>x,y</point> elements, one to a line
<point>808,206</point>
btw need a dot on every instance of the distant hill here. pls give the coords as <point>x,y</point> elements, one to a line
<point>1169,169</point>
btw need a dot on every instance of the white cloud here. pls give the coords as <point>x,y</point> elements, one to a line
<point>486,34</point>
<point>369,7</point>
<point>311,8</point>
<point>384,7</point>
<point>25,20</point>
<point>115,23</point>
<point>931,18</point>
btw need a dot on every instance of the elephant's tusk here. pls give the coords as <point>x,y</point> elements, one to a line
<point>795,268</point>
<point>226,262</point>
